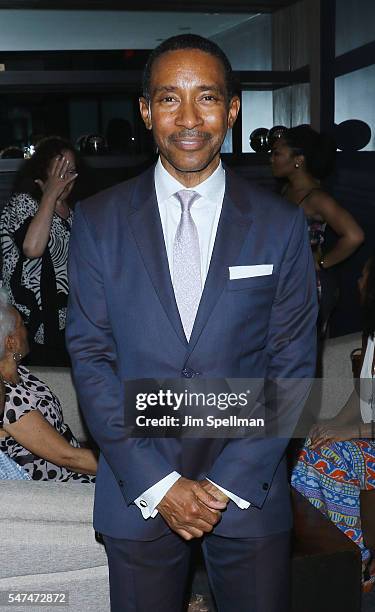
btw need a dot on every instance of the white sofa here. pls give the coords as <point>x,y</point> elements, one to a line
<point>46,534</point>
<point>337,373</point>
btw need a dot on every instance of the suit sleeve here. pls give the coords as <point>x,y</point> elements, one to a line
<point>247,466</point>
<point>136,463</point>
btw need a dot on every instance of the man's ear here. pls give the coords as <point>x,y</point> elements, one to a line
<point>234,107</point>
<point>145,108</point>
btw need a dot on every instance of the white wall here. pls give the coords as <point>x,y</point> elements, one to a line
<point>257,111</point>
<point>354,99</point>
<point>38,30</point>
<point>355,24</point>
<point>291,105</point>
<point>248,45</point>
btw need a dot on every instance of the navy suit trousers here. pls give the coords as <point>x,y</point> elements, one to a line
<point>246,575</point>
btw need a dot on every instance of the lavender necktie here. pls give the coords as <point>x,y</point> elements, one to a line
<point>187,280</point>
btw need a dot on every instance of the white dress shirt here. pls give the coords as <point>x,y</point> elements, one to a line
<point>205,211</point>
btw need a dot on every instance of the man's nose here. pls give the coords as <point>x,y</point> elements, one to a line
<point>189,115</point>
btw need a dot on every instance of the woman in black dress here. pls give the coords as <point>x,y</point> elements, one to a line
<point>303,157</point>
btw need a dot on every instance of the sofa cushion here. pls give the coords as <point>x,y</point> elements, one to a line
<point>47,527</point>
<point>88,589</point>
<point>46,501</point>
<point>337,373</point>
<point>59,380</point>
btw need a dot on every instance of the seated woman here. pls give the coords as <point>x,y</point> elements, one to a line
<point>9,469</point>
<point>338,458</point>
<point>32,428</point>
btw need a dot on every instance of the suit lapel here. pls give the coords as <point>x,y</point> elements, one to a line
<point>144,220</point>
<point>235,221</point>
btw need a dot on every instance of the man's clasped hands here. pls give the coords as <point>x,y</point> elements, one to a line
<point>192,508</point>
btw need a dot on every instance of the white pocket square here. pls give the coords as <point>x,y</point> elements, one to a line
<point>249,271</point>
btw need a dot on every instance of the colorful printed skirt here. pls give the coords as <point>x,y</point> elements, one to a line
<point>332,477</point>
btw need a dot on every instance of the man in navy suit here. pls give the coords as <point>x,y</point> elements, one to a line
<point>189,271</point>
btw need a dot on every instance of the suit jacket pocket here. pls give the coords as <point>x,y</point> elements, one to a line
<point>266,282</point>
<point>248,305</point>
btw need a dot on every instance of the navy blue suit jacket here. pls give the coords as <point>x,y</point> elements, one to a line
<point>123,323</point>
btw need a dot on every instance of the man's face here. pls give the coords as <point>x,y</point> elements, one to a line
<point>189,112</point>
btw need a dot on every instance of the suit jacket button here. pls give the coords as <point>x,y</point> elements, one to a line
<point>143,503</point>
<point>187,373</point>
<point>121,483</point>
<point>265,486</point>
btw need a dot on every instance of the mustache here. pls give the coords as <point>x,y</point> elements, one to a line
<point>190,134</point>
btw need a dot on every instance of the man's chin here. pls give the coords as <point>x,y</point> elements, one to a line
<point>187,166</point>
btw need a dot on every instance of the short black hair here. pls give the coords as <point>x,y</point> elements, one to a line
<point>188,41</point>
<point>319,150</point>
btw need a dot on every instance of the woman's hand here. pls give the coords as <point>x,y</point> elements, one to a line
<point>317,256</point>
<point>59,177</point>
<point>323,434</point>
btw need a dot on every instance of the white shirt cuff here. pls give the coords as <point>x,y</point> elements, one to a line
<point>148,501</point>
<point>241,503</point>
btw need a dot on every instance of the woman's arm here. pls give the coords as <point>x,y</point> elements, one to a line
<point>344,426</point>
<point>341,221</point>
<point>347,425</point>
<point>38,232</point>
<point>35,434</point>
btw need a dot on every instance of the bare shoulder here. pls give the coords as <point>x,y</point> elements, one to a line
<point>324,207</point>
<point>320,203</point>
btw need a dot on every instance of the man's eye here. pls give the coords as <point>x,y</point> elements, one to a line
<point>209,98</point>
<point>168,99</point>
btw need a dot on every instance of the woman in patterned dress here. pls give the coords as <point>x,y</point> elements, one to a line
<point>34,233</point>
<point>338,458</point>
<point>32,428</point>
<point>304,157</point>
<point>9,469</point>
